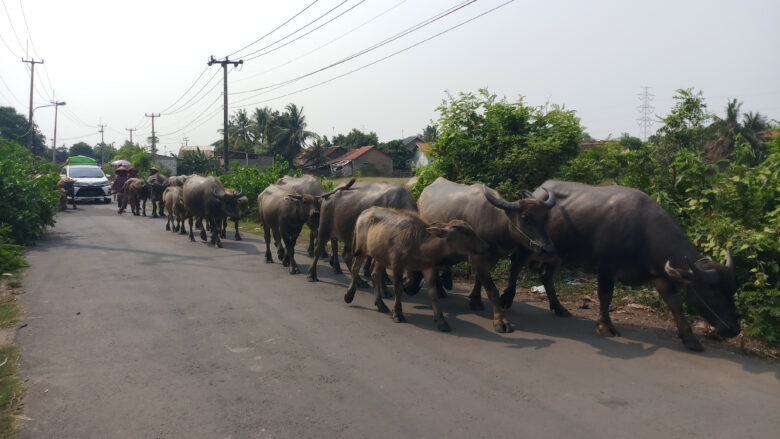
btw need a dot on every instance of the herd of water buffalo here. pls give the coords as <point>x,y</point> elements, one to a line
<point>620,232</point>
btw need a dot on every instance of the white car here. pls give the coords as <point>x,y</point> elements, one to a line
<point>91,182</point>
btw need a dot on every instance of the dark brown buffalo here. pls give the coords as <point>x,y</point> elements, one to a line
<point>243,211</point>
<point>205,197</point>
<point>283,212</point>
<point>307,184</point>
<point>174,206</point>
<point>65,186</point>
<point>400,239</point>
<point>626,236</point>
<point>504,226</point>
<point>136,193</point>
<point>156,185</point>
<point>339,213</point>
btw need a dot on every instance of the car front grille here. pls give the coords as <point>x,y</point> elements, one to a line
<point>90,191</point>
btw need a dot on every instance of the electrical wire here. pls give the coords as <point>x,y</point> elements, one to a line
<point>383,58</point>
<point>275,29</point>
<point>326,44</point>
<point>187,91</point>
<point>12,26</point>
<point>373,47</point>
<point>210,107</point>
<point>292,33</point>
<point>11,92</point>
<point>186,105</point>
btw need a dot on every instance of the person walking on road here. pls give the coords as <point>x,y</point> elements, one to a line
<point>118,186</point>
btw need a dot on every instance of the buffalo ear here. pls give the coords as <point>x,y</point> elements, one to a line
<point>684,276</point>
<point>292,197</point>
<point>439,232</point>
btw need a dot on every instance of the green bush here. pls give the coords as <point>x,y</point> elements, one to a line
<point>253,181</point>
<point>10,254</point>
<point>30,194</point>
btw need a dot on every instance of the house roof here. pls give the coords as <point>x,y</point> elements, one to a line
<point>411,141</point>
<point>768,135</point>
<point>424,147</point>
<point>352,155</point>
<point>207,150</point>
<point>330,153</point>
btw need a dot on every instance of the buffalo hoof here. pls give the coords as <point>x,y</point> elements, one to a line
<point>476,305</point>
<point>294,270</point>
<point>506,299</point>
<point>119,211</point>
<point>691,342</point>
<point>268,258</point>
<point>182,232</point>
<point>607,329</point>
<point>285,263</point>
<point>203,235</point>
<point>361,283</point>
<point>502,325</point>
<point>560,311</point>
<point>349,296</point>
<point>192,239</point>
<point>442,325</point>
<point>217,244</point>
<point>312,278</point>
<point>446,279</point>
<point>337,270</point>
<point>238,238</point>
<point>399,318</point>
<point>381,307</point>
<point>154,215</point>
<point>310,253</point>
<point>168,228</point>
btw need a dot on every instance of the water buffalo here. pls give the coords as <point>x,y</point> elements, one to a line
<point>205,197</point>
<point>243,211</point>
<point>136,191</point>
<point>174,206</point>
<point>177,180</point>
<point>504,226</point>
<point>157,184</point>
<point>307,184</point>
<point>402,240</point>
<point>626,236</point>
<point>283,212</point>
<point>339,213</point>
<point>65,186</point>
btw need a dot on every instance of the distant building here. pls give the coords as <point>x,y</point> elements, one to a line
<point>422,151</point>
<point>304,162</point>
<point>207,150</point>
<point>168,161</point>
<point>246,159</point>
<point>367,160</point>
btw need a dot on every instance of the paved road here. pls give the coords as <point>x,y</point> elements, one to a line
<point>138,333</point>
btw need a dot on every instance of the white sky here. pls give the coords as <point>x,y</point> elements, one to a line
<point>114,61</point>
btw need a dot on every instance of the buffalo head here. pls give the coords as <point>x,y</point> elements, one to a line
<point>307,207</point>
<point>711,288</point>
<point>527,221</point>
<point>229,200</point>
<point>460,237</point>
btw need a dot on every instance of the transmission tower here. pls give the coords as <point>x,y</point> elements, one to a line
<point>645,111</point>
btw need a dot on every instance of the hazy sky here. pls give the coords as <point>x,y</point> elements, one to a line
<point>113,61</point>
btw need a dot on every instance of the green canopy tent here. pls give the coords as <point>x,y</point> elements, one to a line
<point>81,160</point>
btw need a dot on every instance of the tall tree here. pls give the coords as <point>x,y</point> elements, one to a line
<point>263,121</point>
<point>292,133</point>
<point>401,155</point>
<point>241,132</point>
<point>430,134</point>
<point>14,126</point>
<point>356,139</point>
<point>81,148</point>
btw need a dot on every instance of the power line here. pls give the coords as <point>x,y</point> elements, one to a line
<point>326,44</point>
<point>373,47</point>
<point>12,25</point>
<point>292,33</point>
<point>385,57</point>
<point>11,91</point>
<point>274,29</point>
<point>187,91</point>
<point>186,105</point>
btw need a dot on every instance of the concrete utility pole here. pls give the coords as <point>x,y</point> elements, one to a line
<point>224,64</point>
<point>186,141</point>
<point>645,111</point>
<point>154,139</point>
<point>102,143</point>
<point>54,141</point>
<point>131,133</point>
<point>32,62</point>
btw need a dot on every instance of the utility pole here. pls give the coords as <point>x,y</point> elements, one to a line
<point>131,133</point>
<point>645,110</point>
<point>54,141</point>
<point>154,139</point>
<point>186,141</point>
<point>224,64</point>
<point>102,143</point>
<point>32,62</point>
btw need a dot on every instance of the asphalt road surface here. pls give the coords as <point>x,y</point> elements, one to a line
<point>134,332</point>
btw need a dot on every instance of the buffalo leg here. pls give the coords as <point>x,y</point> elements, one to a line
<point>280,253</point>
<point>144,204</point>
<point>192,237</point>
<point>508,296</point>
<point>500,323</point>
<point>312,240</point>
<point>398,289</point>
<point>668,292</point>
<point>376,277</point>
<point>444,273</point>
<point>215,233</point>
<point>289,243</point>
<point>319,249</point>
<point>182,227</point>
<point>412,283</point>
<point>223,231</point>
<point>606,288</point>
<point>267,236</point>
<point>475,297</point>
<point>238,235</point>
<point>334,261</point>
<point>547,272</point>
<point>168,222</point>
<point>353,286</point>
<point>431,281</point>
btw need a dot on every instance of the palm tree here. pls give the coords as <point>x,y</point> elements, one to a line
<point>262,125</point>
<point>725,131</point>
<point>240,131</point>
<point>430,134</point>
<point>292,132</point>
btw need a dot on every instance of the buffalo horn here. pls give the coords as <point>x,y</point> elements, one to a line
<point>295,196</point>
<point>498,202</point>
<point>240,193</point>
<point>527,194</point>
<point>216,195</point>
<point>709,275</point>
<point>342,188</point>
<point>729,260</point>
<point>550,202</point>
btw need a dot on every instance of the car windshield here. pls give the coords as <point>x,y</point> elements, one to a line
<point>86,173</point>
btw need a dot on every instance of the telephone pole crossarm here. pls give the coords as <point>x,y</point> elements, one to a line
<point>224,63</point>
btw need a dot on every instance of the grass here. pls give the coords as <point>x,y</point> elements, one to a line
<point>11,391</point>
<point>10,315</point>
